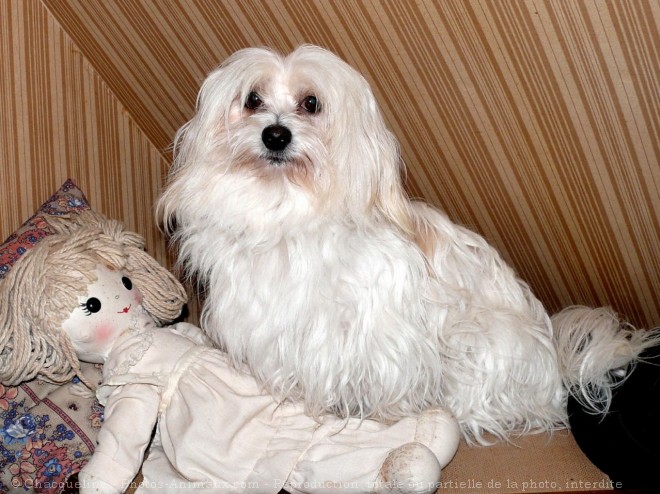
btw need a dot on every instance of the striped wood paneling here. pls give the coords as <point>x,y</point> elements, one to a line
<point>59,119</point>
<point>534,122</point>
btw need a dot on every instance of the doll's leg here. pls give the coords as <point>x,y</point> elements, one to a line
<point>369,456</point>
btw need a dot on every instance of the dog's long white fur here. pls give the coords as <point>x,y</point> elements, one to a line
<point>338,290</point>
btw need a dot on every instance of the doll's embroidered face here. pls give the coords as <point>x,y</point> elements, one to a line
<point>107,309</point>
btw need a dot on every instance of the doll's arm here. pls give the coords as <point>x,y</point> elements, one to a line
<point>130,415</point>
<point>193,333</point>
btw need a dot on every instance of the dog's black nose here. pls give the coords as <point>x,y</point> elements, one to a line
<point>276,137</point>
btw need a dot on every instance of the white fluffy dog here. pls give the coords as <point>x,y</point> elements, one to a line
<point>286,201</point>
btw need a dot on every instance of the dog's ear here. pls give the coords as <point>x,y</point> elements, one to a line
<point>386,174</point>
<point>367,153</point>
<point>219,105</point>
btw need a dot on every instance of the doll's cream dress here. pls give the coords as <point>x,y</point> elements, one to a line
<point>218,432</point>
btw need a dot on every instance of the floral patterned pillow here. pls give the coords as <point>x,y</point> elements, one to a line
<point>47,432</point>
<point>69,199</point>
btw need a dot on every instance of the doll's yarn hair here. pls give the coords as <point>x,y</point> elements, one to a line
<point>42,289</point>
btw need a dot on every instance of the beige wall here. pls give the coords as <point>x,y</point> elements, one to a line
<point>535,123</point>
<point>61,120</point>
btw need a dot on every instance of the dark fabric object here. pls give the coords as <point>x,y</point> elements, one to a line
<point>625,443</point>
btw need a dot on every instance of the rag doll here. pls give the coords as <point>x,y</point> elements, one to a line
<point>98,297</point>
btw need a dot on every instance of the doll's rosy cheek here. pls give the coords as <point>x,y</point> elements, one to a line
<point>103,332</point>
<point>137,298</point>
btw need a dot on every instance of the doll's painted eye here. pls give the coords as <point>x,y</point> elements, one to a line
<point>91,306</point>
<point>128,284</point>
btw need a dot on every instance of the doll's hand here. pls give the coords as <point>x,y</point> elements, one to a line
<point>91,484</point>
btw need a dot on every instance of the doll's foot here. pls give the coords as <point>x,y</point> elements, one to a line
<point>410,469</point>
<point>438,430</point>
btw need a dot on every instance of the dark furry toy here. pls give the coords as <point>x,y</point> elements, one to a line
<point>625,443</point>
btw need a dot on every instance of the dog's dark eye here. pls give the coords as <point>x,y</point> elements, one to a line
<point>310,104</point>
<point>253,101</point>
